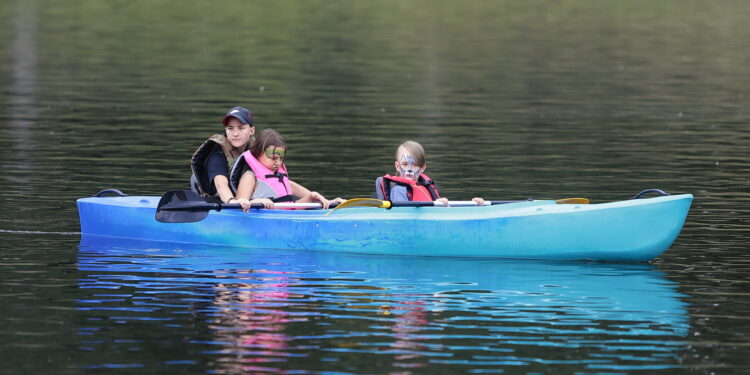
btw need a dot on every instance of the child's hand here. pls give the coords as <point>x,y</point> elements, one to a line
<point>444,201</point>
<point>478,201</point>
<point>267,203</point>
<point>244,203</point>
<point>315,196</point>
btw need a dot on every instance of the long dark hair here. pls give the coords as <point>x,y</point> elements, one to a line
<point>268,137</point>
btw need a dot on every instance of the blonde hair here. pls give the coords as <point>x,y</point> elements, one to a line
<point>416,151</point>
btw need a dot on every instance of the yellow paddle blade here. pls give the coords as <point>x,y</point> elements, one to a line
<point>572,201</point>
<point>361,202</point>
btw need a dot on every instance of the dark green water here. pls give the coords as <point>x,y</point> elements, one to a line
<point>510,99</point>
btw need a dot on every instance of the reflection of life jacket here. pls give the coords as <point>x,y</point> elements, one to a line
<point>199,181</point>
<point>268,184</point>
<point>421,190</point>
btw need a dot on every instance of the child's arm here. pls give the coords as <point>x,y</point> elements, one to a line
<point>245,191</point>
<point>298,190</point>
<point>246,187</point>
<point>305,195</point>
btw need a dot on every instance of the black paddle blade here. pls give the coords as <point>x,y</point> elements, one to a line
<point>182,206</point>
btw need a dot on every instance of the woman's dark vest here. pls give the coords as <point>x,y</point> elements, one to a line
<point>199,180</point>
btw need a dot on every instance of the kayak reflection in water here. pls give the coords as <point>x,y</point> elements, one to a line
<point>410,183</point>
<point>260,174</point>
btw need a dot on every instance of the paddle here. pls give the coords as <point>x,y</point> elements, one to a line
<point>185,206</point>
<point>372,202</point>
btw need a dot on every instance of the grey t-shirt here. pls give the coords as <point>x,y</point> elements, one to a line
<point>263,190</point>
<point>399,194</point>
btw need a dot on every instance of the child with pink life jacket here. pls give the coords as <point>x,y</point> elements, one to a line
<point>260,175</point>
<point>410,183</point>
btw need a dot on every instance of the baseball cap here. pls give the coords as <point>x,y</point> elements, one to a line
<point>240,113</point>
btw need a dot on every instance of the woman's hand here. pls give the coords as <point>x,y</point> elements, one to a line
<point>478,201</point>
<point>444,201</point>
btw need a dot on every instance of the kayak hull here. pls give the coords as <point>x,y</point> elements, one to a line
<point>633,230</point>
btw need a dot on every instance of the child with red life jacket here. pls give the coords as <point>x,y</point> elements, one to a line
<point>260,174</point>
<point>411,184</point>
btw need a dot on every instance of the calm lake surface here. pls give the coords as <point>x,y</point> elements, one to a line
<point>511,100</point>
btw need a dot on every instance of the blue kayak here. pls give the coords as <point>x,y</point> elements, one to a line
<point>630,230</point>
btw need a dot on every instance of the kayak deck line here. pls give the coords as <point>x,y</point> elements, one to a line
<point>629,230</point>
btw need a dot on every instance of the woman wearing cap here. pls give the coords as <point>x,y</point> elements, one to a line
<point>216,156</point>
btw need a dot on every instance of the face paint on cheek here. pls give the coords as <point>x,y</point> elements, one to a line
<point>275,157</point>
<point>409,170</point>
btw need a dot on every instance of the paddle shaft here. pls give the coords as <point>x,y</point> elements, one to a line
<point>440,204</point>
<point>472,203</point>
<point>192,206</point>
<point>185,206</point>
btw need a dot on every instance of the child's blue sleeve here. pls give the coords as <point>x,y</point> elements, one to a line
<point>399,194</point>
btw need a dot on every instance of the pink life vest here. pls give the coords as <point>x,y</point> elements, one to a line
<point>278,181</point>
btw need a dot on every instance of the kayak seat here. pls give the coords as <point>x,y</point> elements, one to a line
<point>239,168</point>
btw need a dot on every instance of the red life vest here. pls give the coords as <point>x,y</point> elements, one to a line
<point>422,190</point>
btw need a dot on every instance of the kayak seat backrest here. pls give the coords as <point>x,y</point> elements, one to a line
<point>194,185</point>
<point>238,169</point>
<point>378,189</point>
